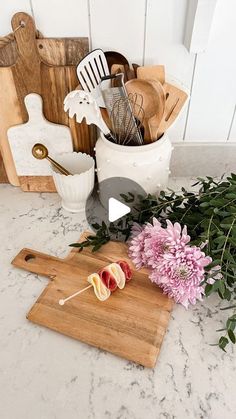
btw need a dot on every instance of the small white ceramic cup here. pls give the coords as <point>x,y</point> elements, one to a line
<point>74,189</point>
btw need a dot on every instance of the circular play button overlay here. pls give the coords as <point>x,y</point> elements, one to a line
<point>112,200</point>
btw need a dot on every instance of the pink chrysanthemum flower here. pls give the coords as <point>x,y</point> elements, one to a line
<point>163,240</point>
<point>136,246</point>
<point>176,267</point>
<point>180,274</point>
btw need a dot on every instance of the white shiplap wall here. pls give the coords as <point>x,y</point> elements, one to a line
<point>152,32</point>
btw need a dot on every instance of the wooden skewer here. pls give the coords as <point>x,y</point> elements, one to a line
<point>62,302</point>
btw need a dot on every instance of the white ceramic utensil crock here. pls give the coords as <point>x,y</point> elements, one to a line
<point>147,165</point>
<point>74,189</point>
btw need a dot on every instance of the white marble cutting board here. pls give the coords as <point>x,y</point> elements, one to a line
<point>57,138</point>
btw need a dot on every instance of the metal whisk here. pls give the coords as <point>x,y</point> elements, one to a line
<point>127,116</point>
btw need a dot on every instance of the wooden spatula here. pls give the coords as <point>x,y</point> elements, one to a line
<point>153,72</point>
<point>155,121</point>
<point>175,100</point>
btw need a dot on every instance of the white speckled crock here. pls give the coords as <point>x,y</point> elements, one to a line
<point>147,165</point>
<point>74,189</point>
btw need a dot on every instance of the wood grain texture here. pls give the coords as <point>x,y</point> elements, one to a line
<point>152,72</point>
<point>10,114</point>
<point>3,174</point>
<point>175,100</point>
<point>53,51</point>
<point>37,183</point>
<point>31,74</point>
<point>131,323</point>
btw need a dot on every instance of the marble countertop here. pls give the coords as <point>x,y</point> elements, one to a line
<point>45,375</point>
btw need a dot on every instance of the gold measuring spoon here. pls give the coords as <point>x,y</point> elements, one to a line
<point>40,152</point>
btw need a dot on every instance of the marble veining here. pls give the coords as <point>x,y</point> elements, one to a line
<point>45,375</point>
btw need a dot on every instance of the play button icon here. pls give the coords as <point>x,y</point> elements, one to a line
<point>116,209</point>
<point>113,200</point>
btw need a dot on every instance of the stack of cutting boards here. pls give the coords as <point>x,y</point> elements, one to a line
<point>46,67</point>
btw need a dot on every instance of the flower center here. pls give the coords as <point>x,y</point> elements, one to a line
<point>165,247</point>
<point>182,272</point>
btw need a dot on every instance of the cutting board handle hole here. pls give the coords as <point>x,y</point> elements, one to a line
<point>40,46</point>
<point>29,257</point>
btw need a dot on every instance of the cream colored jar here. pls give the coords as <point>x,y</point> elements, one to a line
<point>147,165</point>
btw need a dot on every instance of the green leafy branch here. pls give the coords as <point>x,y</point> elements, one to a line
<point>210,216</point>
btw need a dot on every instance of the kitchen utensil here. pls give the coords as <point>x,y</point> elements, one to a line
<point>57,138</point>
<point>152,102</point>
<point>83,105</point>
<point>125,69</point>
<point>131,324</point>
<point>114,57</point>
<point>175,100</point>
<point>40,152</point>
<point>75,190</point>
<point>90,71</point>
<point>30,65</point>
<point>135,68</point>
<point>152,72</point>
<point>155,121</point>
<point>124,127</point>
<point>113,89</point>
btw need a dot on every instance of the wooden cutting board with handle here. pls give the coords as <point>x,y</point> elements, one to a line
<point>30,73</point>
<point>57,138</point>
<point>131,323</point>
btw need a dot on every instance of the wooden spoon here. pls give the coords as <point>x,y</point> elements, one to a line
<point>152,102</point>
<point>152,72</point>
<point>114,57</point>
<point>40,152</point>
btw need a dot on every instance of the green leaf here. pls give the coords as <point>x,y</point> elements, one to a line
<point>223,342</point>
<point>208,289</point>
<point>217,202</point>
<point>96,247</point>
<point>96,226</point>
<point>221,287</point>
<point>227,294</point>
<point>230,324</point>
<point>231,336</point>
<point>75,245</point>
<point>230,195</point>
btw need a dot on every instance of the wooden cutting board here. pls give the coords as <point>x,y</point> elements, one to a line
<point>57,138</point>
<point>53,51</point>
<point>3,175</point>
<point>30,73</point>
<point>131,323</point>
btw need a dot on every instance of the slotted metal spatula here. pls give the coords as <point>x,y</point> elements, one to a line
<point>90,72</point>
